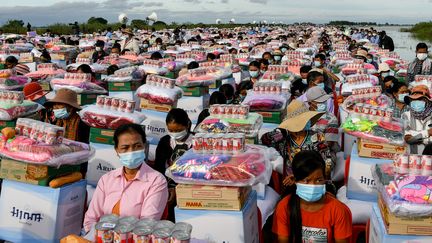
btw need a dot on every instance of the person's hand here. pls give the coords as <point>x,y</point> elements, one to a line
<point>430,132</point>
<point>408,137</point>
<point>288,181</point>
<point>172,195</point>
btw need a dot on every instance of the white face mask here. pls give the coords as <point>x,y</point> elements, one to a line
<point>422,56</point>
<point>178,135</point>
<point>98,48</point>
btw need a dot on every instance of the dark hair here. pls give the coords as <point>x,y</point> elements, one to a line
<point>266,53</point>
<point>255,64</point>
<point>304,163</point>
<point>156,56</point>
<point>192,65</point>
<point>320,56</point>
<point>11,59</point>
<point>217,98</point>
<point>397,86</point>
<point>100,43</point>
<point>390,78</point>
<point>421,45</point>
<point>211,56</point>
<point>312,76</point>
<point>227,90</point>
<point>179,116</point>
<point>265,62</point>
<point>116,45</point>
<point>305,69</point>
<point>85,68</point>
<point>131,128</point>
<point>111,69</point>
<point>159,40</point>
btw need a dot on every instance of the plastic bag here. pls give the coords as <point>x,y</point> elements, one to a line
<point>160,95</point>
<point>28,150</point>
<point>405,195</point>
<point>80,87</point>
<point>151,69</point>
<point>98,117</point>
<point>203,76</point>
<point>265,102</point>
<point>126,75</point>
<point>382,101</point>
<point>249,126</point>
<point>14,82</point>
<point>245,169</point>
<point>10,111</point>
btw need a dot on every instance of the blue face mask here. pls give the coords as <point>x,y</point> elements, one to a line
<point>242,97</point>
<point>418,105</point>
<point>283,50</point>
<point>321,85</point>
<point>61,113</point>
<point>308,126</point>
<point>254,74</point>
<point>401,97</point>
<point>321,107</point>
<point>132,160</point>
<point>310,193</point>
<point>317,64</point>
<point>41,100</point>
<point>304,81</point>
<point>277,58</point>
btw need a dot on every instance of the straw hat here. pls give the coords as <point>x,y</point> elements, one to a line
<point>298,115</point>
<point>417,92</point>
<point>33,91</point>
<point>362,53</point>
<point>127,31</point>
<point>66,96</point>
<point>383,67</point>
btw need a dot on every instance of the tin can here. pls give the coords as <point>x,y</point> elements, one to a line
<point>402,160</point>
<point>278,89</point>
<point>217,143</point>
<point>197,143</point>
<point>104,232</point>
<point>161,235</point>
<point>381,112</point>
<point>100,101</point>
<point>115,104</point>
<point>182,226</point>
<point>244,111</point>
<point>267,88</point>
<point>214,110</point>
<point>18,97</point>
<point>415,162</point>
<point>10,96</point>
<point>205,144</point>
<point>123,233</point>
<point>228,111</point>
<point>122,105</point>
<point>261,88</point>
<point>426,164</point>
<point>109,218</point>
<point>50,137</point>
<point>366,109</point>
<point>164,224</point>
<point>107,102</point>
<point>130,106</point>
<point>180,237</point>
<point>149,223</point>
<point>273,88</point>
<point>128,220</point>
<point>389,114</point>
<point>142,234</point>
<point>222,111</point>
<point>238,143</point>
<point>236,112</point>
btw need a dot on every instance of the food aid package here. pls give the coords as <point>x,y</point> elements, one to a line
<point>114,59</point>
<point>45,70</point>
<point>380,131</point>
<point>109,118</point>
<point>247,168</point>
<point>405,194</point>
<point>78,82</point>
<point>368,105</point>
<point>204,76</point>
<point>174,66</point>
<point>160,90</point>
<point>31,151</point>
<point>153,68</point>
<point>353,68</point>
<point>249,125</point>
<point>357,82</point>
<point>13,82</point>
<point>265,101</point>
<point>12,109</point>
<point>126,75</point>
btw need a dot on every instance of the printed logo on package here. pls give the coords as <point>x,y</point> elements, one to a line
<point>26,216</point>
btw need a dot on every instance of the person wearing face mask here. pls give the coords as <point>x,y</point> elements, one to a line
<point>315,78</point>
<point>421,65</point>
<point>417,119</point>
<point>329,78</point>
<point>268,56</point>
<point>295,134</point>
<point>300,85</point>
<point>130,43</point>
<point>264,66</point>
<point>398,93</point>
<point>254,74</point>
<point>228,91</point>
<point>328,123</point>
<point>310,208</point>
<point>99,53</point>
<point>370,60</point>
<point>62,111</point>
<point>171,147</point>
<point>277,56</point>
<point>383,72</point>
<point>135,189</point>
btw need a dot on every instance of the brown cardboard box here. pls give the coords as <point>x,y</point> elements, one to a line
<point>148,105</point>
<point>372,149</point>
<point>211,197</point>
<point>404,226</point>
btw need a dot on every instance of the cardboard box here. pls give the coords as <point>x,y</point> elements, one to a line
<point>33,173</point>
<point>372,149</point>
<point>361,185</point>
<point>172,75</point>
<point>223,226</point>
<point>149,105</point>
<point>194,106</point>
<point>124,86</point>
<point>45,86</point>
<point>403,225</point>
<point>155,125</point>
<point>252,140</point>
<point>104,161</point>
<point>195,91</point>
<point>378,234</point>
<point>31,213</point>
<point>87,99</point>
<point>216,84</point>
<point>275,117</point>
<point>211,197</point>
<point>4,124</point>
<point>103,136</point>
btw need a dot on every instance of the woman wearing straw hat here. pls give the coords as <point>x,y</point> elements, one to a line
<point>130,43</point>
<point>62,111</point>
<point>418,119</point>
<point>294,135</point>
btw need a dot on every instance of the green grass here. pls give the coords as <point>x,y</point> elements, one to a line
<point>422,31</point>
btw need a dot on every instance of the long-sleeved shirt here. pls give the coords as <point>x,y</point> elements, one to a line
<point>131,45</point>
<point>416,127</point>
<point>143,197</point>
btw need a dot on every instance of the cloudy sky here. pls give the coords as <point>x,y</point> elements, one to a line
<point>42,12</point>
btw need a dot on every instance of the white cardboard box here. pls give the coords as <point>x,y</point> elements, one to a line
<point>155,125</point>
<point>193,106</point>
<point>378,233</point>
<point>104,161</point>
<point>361,185</point>
<point>37,214</point>
<point>224,226</point>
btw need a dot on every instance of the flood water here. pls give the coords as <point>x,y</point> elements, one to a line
<point>405,43</point>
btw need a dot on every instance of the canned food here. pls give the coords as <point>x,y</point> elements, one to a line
<point>123,105</point>
<point>402,159</point>
<point>227,143</point>
<point>214,110</point>
<point>104,232</point>
<point>115,104</point>
<point>217,143</point>
<point>222,110</point>
<point>164,224</point>
<point>415,162</point>
<point>426,163</point>
<point>180,237</point>
<point>107,102</point>
<point>243,111</point>
<point>182,226</point>
<point>162,235</point>
<point>238,143</point>
<point>109,218</point>
<point>197,143</point>
<point>130,106</point>
<point>142,234</point>
<point>228,111</point>
<point>100,101</point>
<point>123,233</point>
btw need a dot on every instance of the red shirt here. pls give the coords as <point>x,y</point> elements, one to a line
<point>332,221</point>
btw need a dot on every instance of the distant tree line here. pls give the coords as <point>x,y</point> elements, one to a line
<point>343,22</point>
